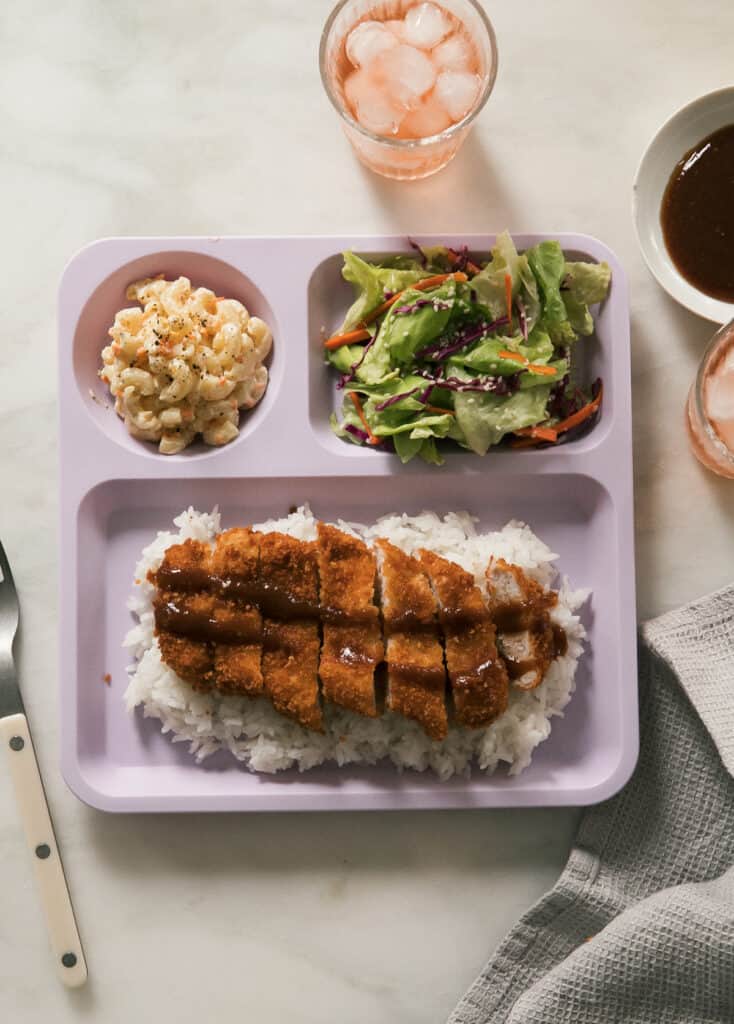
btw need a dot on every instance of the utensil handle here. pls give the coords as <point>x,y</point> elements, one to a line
<point>15,737</point>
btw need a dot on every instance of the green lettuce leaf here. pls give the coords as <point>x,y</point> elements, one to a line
<point>548,266</point>
<point>489,285</point>
<point>430,453</point>
<point>401,335</point>
<point>485,419</point>
<point>528,293</point>
<point>345,357</point>
<point>370,283</point>
<point>407,447</point>
<point>583,285</point>
<point>579,317</point>
<point>587,282</point>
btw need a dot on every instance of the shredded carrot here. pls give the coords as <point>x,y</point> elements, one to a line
<point>582,414</point>
<point>508,297</point>
<point>371,439</point>
<point>421,286</point>
<point>516,357</point>
<point>349,338</point>
<point>529,436</point>
<point>539,433</point>
<point>439,410</point>
<point>107,678</point>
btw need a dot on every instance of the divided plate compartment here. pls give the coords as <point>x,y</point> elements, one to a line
<point>116,492</point>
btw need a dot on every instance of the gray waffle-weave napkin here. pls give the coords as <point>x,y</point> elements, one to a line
<point>640,927</point>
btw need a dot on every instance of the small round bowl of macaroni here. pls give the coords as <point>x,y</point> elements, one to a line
<point>184,363</point>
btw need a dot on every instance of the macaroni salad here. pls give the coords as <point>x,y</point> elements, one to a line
<point>184,364</point>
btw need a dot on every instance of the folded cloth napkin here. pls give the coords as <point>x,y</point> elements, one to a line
<point>639,928</point>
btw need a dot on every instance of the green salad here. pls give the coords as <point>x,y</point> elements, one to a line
<point>439,347</point>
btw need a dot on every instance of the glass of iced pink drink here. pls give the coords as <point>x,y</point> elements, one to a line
<point>710,407</point>
<point>407,77</point>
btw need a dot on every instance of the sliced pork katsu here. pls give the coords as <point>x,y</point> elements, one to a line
<point>352,645</point>
<point>477,674</point>
<point>525,635</point>
<point>235,570</point>
<point>289,585</point>
<point>183,572</point>
<point>268,614</point>
<point>218,632</point>
<point>416,676</point>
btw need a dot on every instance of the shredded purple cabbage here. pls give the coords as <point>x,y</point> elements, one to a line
<point>420,304</point>
<point>443,348</point>
<point>564,400</point>
<point>423,258</point>
<point>362,435</point>
<point>489,385</point>
<point>352,371</point>
<point>395,398</point>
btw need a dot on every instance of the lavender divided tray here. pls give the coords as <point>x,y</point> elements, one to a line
<point>116,492</point>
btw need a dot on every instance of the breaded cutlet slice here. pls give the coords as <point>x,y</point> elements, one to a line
<point>289,577</point>
<point>235,569</point>
<point>183,571</point>
<point>185,567</point>
<point>477,674</point>
<point>352,644</point>
<point>416,675</point>
<point>192,660</point>
<point>519,607</point>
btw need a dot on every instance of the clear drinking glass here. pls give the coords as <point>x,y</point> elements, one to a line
<point>403,158</point>
<point>711,433</point>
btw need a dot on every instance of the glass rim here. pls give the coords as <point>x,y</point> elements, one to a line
<point>427,140</point>
<point>725,331</point>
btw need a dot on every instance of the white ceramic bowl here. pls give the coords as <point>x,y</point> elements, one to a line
<point>684,129</point>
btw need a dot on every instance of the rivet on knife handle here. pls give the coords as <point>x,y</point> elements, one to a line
<point>16,739</point>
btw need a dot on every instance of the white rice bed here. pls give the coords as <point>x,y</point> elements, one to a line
<point>265,741</point>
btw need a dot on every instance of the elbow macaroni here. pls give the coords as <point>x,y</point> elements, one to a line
<point>184,364</point>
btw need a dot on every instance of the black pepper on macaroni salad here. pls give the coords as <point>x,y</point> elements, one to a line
<point>184,364</point>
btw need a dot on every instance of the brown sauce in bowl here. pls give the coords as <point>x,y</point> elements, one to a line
<point>697,215</point>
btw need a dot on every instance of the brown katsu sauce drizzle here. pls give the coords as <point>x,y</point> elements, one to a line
<point>531,615</point>
<point>273,602</point>
<point>697,215</point>
<point>174,617</point>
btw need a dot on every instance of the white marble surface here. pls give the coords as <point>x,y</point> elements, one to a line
<point>134,117</point>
